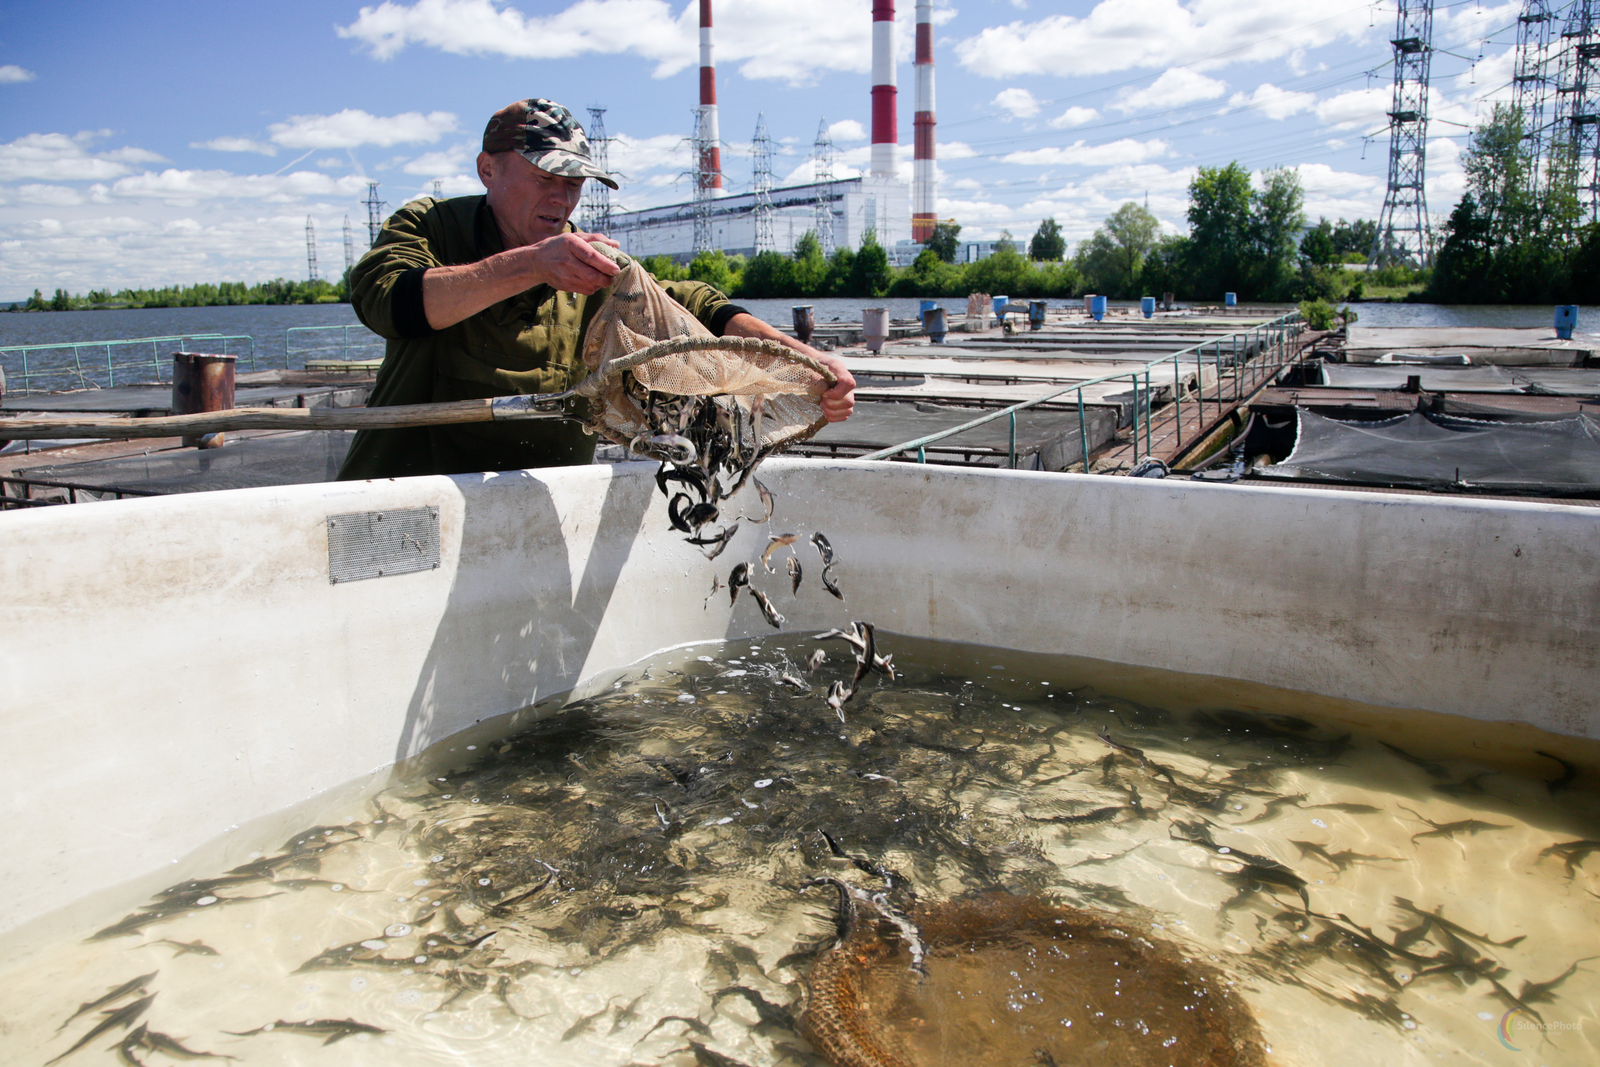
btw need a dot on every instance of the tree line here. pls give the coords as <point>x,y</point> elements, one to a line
<point>1517,234</point>
<point>204,294</point>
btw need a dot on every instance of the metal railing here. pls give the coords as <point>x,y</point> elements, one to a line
<point>1266,338</point>
<point>26,499</point>
<point>95,364</point>
<point>354,341</point>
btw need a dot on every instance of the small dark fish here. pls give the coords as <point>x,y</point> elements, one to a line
<point>131,985</point>
<point>1096,816</point>
<point>585,1023</point>
<point>131,1044</point>
<point>1351,809</point>
<point>823,548</point>
<point>1272,807</point>
<point>122,1017</point>
<point>693,477</point>
<point>793,565</point>
<point>838,697</point>
<point>817,659</point>
<point>1435,769</point>
<point>1467,785</point>
<point>1451,829</point>
<point>675,516</point>
<point>829,584</point>
<point>866,655</point>
<point>767,610</point>
<point>1445,924</point>
<point>707,1057</point>
<point>716,583</point>
<point>1339,860</point>
<point>701,514</point>
<point>330,1030</point>
<point>184,948</point>
<point>1568,775</point>
<point>773,543</point>
<point>717,543</point>
<point>626,1014</point>
<point>156,1041</point>
<point>766,499</point>
<point>693,1024</point>
<point>768,1013</point>
<point>738,578</point>
<point>1573,853</point>
<point>1532,992</point>
<point>671,447</point>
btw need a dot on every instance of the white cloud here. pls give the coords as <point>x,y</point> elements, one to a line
<point>1127,150</point>
<point>1074,116</point>
<point>1174,88</point>
<point>1121,35</point>
<point>447,162</point>
<point>1357,108</point>
<point>1273,102</point>
<point>847,130</point>
<point>10,74</point>
<point>57,157</point>
<point>236,144</point>
<point>46,195</point>
<point>1018,102</point>
<point>191,186</point>
<point>353,127</point>
<point>773,39</point>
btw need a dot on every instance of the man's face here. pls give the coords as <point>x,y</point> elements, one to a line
<point>529,204</point>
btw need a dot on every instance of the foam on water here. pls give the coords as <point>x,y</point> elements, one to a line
<point>626,881</point>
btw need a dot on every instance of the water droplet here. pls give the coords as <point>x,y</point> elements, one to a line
<point>725,820</point>
<point>397,930</point>
<point>686,698</point>
<point>419,881</point>
<point>336,888</point>
<point>420,959</point>
<point>483,881</point>
<point>762,783</point>
<point>203,901</point>
<point>375,944</point>
<point>1224,850</point>
<point>437,857</point>
<point>705,659</point>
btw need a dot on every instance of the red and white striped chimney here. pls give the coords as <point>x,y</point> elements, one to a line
<point>710,161</point>
<point>923,182</point>
<point>884,132</point>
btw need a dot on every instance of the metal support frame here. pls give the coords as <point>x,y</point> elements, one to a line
<point>1404,234</point>
<point>1575,136</point>
<point>1531,81</point>
<point>822,175</point>
<point>597,194</point>
<point>374,213</point>
<point>77,375</point>
<point>761,186</point>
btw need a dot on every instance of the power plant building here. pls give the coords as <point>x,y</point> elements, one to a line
<point>855,206</point>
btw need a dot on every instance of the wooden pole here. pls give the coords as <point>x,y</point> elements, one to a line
<point>388,418</point>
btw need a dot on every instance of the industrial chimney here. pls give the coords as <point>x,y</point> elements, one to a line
<point>709,165</point>
<point>923,182</point>
<point>884,133</point>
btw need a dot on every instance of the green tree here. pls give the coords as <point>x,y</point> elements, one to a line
<point>1276,219</point>
<point>1111,259</point>
<point>1316,247</point>
<point>870,273</point>
<point>62,301</point>
<point>945,240</point>
<point>715,269</point>
<point>1047,245</point>
<point>769,274</point>
<point>1354,238</point>
<point>1219,228</point>
<point>810,265</point>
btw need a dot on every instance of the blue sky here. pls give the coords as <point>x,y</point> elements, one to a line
<point>172,142</point>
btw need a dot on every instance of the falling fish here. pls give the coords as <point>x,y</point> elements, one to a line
<point>838,697</point>
<point>767,609</point>
<point>766,499</point>
<point>738,578</point>
<point>829,584</point>
<point>823,547</point>
<point>793,566</point>
<point>817,659</point>
<point>773,543</point>
<point>714,545</point>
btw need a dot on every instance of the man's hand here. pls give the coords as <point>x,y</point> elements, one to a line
<point>839,401</point>
<point>567,261</point>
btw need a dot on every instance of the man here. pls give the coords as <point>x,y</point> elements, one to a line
<point>490,295</point>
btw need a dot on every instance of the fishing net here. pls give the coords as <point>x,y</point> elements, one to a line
<point>656,373</point>
<point>1013,980</point>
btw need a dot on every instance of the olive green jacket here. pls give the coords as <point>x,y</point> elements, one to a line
<point>530,343</point>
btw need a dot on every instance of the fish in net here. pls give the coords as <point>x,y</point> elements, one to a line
<point>709,408</point>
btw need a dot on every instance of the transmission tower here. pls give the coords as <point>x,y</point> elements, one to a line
<point>704,123</point>
<point>1403,232</point>
<point>761,186</point>
<point>597,194</point>
<point>374,213</point>
<point>1575,140</point>
<point>349,247</point>
<point>1530,83</point>
<point>438,189</point>
<point>311,250</point>
<point>822,174</point>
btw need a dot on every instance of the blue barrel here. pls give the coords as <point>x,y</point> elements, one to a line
<point>926,306</point>
<point>999,304</point>
<point>1566,320</point>
<point>1230,299</point>
<point>933,321</point>
<point>1147,305</point>
<point>1036,314</point>
<point>1097,308</point>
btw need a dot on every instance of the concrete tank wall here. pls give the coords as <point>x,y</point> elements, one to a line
<point>173,667</point>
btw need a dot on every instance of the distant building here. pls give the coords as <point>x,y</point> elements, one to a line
<point>855,205</point>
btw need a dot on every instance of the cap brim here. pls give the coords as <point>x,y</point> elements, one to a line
<point>568,165</point>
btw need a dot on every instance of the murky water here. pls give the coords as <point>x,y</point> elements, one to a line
<point>635,879</point>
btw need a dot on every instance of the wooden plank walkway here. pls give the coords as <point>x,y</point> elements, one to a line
<point>1177,431</point>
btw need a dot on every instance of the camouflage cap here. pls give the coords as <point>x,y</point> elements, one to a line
<point>546,135</point>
